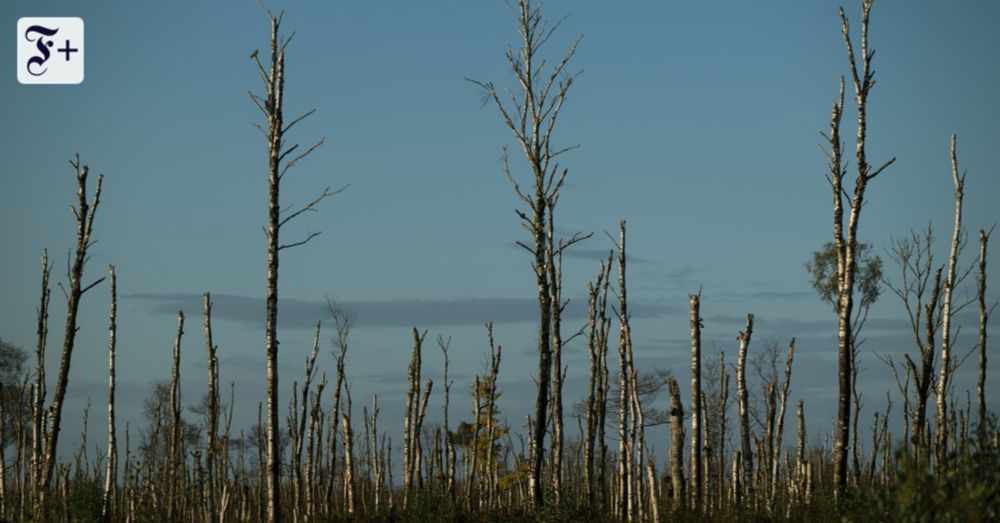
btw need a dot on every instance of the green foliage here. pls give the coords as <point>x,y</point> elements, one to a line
<point>86,500</point>
<point>822,270</point>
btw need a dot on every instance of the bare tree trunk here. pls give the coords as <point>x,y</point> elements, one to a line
<point>595,339</point>
<point>776,458</point>
<point>531,119</point>
<point>348,457</point>
<point>984,318</point>
<point>271,106</point>
<point>946,314</point>
<point>448,470</point>
<point>741,398</point>
<point>175,453</point>
<point>343,324</point>
<point>847,247</point>
<point>38,418</point>
<point>696,401</point>
<point>554,260</point>
<point>110,475</point>
<point>491,398</point>
<point>414,418</point>
<point>625,443</point>
<point>723,414</point>
<point>654,500</point>
<point>211,438</point>
<point>676,444</point>
<point>298,431</point>
<point>84,212</point>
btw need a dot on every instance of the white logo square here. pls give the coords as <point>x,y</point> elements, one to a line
<point>49,50</point>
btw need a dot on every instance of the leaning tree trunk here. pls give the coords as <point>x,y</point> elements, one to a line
<point>84,213</point>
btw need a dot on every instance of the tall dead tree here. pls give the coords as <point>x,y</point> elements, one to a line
<point>531,115</point>
<point>212,425</point>
<point>914,256</point>
<point>625,437</point>
<point>281,158</point>
<point>175,453</point>
<point>597,351</point>
<point>38,418</point>
<point>554,258</point>
<point>299,420</point>
<point>696,402</point>
<point>947,311</point>
<point>847,245</point>
<point>984,318</point>
<point>84,212</point>
<point>744,411</point>
<point>111,472</point>
<point>780,429</point>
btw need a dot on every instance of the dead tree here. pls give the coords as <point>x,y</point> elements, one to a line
<point>111,472</point>
<point>723,415</point>
<point>448,470</point>
<point>175,454</point>
<point>625,441</point>
<point>416,406</point>
<point>492,395</point>
<point>776,457</point>
<point>212,424</point>
<point>84,213</point>
<point>299,420</point>
<point>597,351</point>
<point>696,402</point>
<point>554,257</point>
<point>342,321</point>
<point>984,318</point>
<point>531,116</point>
<point>847,245</point>
<point>349,471</point>
<point>38,418</point>
<point>914,256</point>
<point>746,481</point>
<point>947,312</point>
<point>676,443</point>
<point>281,158</point>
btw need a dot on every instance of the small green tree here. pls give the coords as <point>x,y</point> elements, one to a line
<point>822,269</point>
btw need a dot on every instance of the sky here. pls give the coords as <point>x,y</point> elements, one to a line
<point>698,123</point>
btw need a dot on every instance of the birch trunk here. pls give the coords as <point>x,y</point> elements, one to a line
<point>946,314</point>
<point>696,412</point>
<point>84,213</point>
<point>984,318</point>
<point>742,399</point>
<point>111,471</point>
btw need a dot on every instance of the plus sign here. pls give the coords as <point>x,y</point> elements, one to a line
<point>67,50</point>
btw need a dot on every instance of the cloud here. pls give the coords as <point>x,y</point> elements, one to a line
<point>800,327</point>
<point>384,313</point>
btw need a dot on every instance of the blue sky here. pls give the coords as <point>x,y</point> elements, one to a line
<point>698,123</point>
